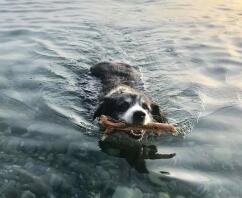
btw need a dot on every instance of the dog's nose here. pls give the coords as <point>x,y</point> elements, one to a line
<point>138,117</point>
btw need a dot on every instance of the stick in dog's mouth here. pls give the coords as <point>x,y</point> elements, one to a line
<point>111,125</point>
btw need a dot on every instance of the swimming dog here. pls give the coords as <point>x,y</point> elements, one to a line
<point>123,96</point>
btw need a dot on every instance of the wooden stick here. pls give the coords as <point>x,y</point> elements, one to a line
<point>111,124</point>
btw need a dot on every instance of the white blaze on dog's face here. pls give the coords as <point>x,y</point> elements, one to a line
<point>125,103</point>
<point>133,108</point>
<point>136,114</point>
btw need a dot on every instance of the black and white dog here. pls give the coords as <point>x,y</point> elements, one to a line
<point>123,97</point>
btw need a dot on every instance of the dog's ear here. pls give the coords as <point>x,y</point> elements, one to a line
<point>157,114</point>
<point>105,108</point>
<point>98,111</point>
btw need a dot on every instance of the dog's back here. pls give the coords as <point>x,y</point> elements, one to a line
<point>114,74</point>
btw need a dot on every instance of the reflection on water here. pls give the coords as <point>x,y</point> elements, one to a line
<point>190,56</point>
<point>135,152</point>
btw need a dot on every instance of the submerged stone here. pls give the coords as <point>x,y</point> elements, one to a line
<point>28,194</point>
<point>122,192</point>
<point>163,195</point>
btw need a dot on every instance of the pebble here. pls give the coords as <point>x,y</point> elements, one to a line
<point>104,175</point>
<point>179,196</point>
<point>163,195</point>
<point>157,180</point>
<point>28,194</point>
<point>122,192</point>
<point>56,181</point>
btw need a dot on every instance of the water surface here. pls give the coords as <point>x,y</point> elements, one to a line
<point>189,53</point>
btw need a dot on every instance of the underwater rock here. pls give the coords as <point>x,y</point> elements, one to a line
<point>163,195</point>
<point>104,175</point>
<point>179,196</point>
<point>56,181</point>
<point>9,189</point>
<point>28,194</point>
<point>122,192</point>
<point>157,180</point>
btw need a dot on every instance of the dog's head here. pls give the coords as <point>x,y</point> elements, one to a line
<point>134,108</point>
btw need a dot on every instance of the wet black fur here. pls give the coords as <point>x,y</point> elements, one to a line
<point>114,74</point>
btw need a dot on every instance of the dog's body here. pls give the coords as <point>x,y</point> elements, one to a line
<point>122,97</point>
<point>115,74</point>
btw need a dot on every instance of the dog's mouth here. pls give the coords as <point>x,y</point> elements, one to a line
<point>138,133</point>
<point>135,132</point>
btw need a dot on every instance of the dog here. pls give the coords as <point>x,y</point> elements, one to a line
<point>123,97</point>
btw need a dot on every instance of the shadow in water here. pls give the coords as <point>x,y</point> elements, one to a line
<point>134,151</point>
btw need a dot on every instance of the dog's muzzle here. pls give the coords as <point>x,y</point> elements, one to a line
<point>139,117</point>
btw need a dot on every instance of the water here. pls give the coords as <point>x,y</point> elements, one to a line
<point>190,56</point>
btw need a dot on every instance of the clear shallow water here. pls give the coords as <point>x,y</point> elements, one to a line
<point>190,55</point>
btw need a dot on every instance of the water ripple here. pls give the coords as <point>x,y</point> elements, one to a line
<point>190,56</point>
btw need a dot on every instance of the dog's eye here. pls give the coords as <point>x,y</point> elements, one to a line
<point>145,106</point>
<point>124,105</point>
